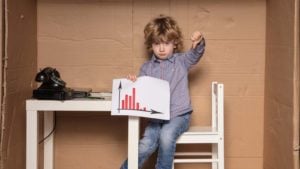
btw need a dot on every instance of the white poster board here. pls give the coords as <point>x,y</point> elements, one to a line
<point>146,97</point>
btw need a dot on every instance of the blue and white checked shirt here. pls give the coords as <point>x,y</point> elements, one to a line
<point>175,70</point>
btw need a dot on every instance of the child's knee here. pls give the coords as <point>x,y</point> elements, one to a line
<point>167,140</point>
<point>146,144</point>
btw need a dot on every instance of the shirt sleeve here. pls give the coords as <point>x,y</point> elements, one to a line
<point>143,70</point>
<point>193,56</point>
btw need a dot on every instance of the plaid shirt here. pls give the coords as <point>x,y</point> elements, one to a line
<point>175,71</point>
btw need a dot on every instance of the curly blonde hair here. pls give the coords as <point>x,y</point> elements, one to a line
<point>163,29</point>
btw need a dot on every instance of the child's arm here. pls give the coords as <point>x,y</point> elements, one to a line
<point>197,50</point>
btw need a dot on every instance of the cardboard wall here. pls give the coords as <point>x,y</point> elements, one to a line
<point>251,48</point>
<point>19,60</point>
<point>91,42</point>
<point>282,86</point>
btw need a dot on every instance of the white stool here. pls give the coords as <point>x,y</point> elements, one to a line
<point>213,135</point>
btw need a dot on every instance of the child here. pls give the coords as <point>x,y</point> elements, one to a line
<point>163,39</point>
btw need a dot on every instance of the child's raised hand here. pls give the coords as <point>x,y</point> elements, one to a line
<point>131,77</point>
<point>196,38</point>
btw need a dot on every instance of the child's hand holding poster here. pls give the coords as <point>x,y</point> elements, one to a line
<point>146,97</point>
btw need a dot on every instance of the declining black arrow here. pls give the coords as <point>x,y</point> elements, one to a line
<point>155,112</point>
<point>120,87</point>
<point>150,111</point>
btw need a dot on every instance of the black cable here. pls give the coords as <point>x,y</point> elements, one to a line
<point>52,131</point>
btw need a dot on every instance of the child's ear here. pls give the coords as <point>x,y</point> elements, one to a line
<point>175,44</point>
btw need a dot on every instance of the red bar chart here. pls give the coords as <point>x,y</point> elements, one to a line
<point>147,97</point>
<point>129,102</point>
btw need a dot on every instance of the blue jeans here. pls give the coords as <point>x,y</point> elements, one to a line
<point>162,135</point>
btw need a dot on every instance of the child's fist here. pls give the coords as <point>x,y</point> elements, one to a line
<point>196,38</point>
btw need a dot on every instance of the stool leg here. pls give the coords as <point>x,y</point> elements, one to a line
<point>221,155</point>
<point>215,156</point>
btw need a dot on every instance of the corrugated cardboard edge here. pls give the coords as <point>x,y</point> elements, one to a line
<point>281,86</point>
<point>3,48</point>
<point>19,66</point>
<point>296,86</point>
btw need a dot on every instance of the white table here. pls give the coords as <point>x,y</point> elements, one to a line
<point>48,107</point>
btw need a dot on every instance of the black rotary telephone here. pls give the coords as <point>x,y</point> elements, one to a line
<point>50,79</point>
<point>52,87</point>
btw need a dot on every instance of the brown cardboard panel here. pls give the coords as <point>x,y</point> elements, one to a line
<point>90,140</point>
<point>234,56</point>
<point>283,67</point>
<point>104,156</point>
<point>104,52</point>
<point>281,96</point>
<point>277,135</point>
<point>21,35</point>
<point>244,163</point>
<point>13,150</point>
<point>99,41</point>
<point>90,130</point>
<point>21,81</point>
<point>19,64</point>
<point>281,15</point>
<point>279,93</point>
<point>83,20</point>
<point>280,74</point>
<point>244,133</point>
<point>228,19</point>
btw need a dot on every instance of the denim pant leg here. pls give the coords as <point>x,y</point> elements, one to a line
<point>147,145</point>
<point>170,132</point>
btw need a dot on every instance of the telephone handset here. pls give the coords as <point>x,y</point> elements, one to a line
<point>50,79</point>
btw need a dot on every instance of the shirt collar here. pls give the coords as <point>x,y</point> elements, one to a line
<point>155,59</point>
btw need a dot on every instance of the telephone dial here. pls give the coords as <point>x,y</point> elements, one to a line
<point>53,87</point>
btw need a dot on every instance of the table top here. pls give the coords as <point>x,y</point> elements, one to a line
<point>82,104</point>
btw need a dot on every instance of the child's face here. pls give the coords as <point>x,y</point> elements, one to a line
<point>163,50</point>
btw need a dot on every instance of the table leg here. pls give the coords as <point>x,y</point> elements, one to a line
<point>48,143</point>
<point>133,141</point>
<point>31,139</point>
